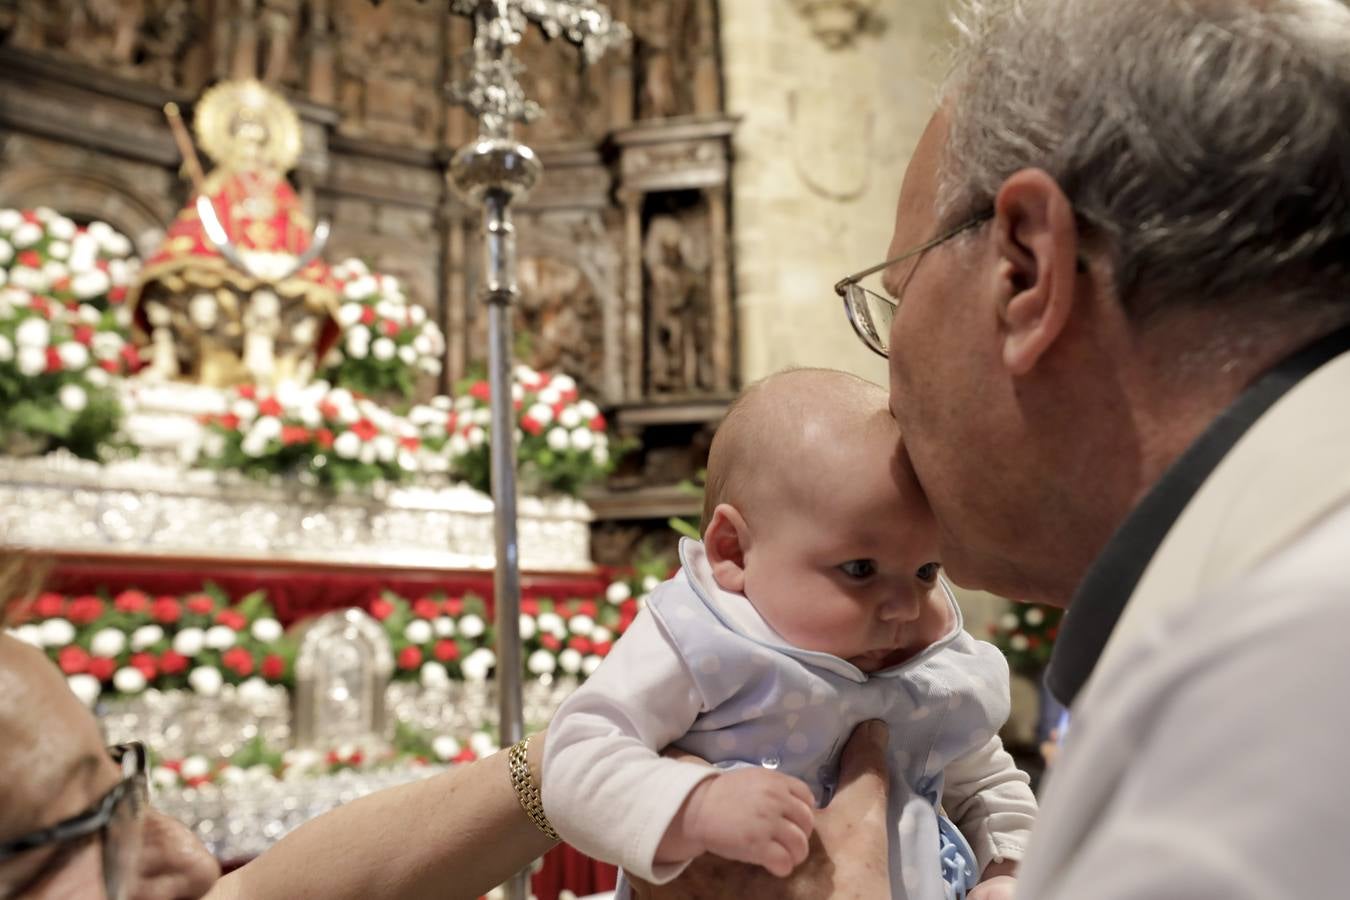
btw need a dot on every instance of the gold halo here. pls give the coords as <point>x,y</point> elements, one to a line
<point>221,104</point>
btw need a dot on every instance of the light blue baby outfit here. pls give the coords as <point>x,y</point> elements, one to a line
<point>774,705</point>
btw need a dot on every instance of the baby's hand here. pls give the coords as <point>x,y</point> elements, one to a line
<point>1000,887</point>
<point>749,815</point>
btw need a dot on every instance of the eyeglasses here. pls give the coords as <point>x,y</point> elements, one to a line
<point>115,819</point>
<point>871,313</point>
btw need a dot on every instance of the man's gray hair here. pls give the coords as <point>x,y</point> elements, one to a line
<point>1207,140</point>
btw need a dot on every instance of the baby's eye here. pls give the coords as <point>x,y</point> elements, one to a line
<point>859,568</point>
<point>928,572</point>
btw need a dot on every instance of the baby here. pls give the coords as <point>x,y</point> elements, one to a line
<point>814,603</point>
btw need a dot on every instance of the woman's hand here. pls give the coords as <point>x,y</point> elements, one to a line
<point>848,855</point>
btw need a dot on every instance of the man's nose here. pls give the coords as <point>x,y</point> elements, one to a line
<point>173,863</point>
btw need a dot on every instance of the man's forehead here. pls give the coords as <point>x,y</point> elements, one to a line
<point>916,210</point>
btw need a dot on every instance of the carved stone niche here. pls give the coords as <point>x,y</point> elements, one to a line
<point>341,672</point>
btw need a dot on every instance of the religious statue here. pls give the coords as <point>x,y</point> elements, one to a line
<point>236,292</point>
<point>677,261</point>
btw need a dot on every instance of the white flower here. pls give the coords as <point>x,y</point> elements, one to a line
<point>650,583</point>
<point>146,636</point>
<point>444,626</point>
<point>360,288</point>
<point>569,661</point>
<point>618,592</point>
<point>74,355</point>
<point>1008,621</point>
<point>482,744</point>
<point>26,235</point>
<point>457,446</point>
<point>10,219</point>
<point>383,349</point>
<point>418,631</point>
<point>107,344</point>
<point>552,623</point>
<point>430,365</point>
<point>205,680</point>
<point>433,675</point>
<point>527,627</point>
<point>600,455</point>
<point>407,355</point>
<point>590,664</point>
<point>386,448</point>
<point>57,633</point>
<point>62,229</point>
<point>4,276</point>
<point>253,445</point>
<point>445,747</point>
<point>582,625</point>
<point>72,397</point>
<point>476,436</point>
<point>189,642</point>
<point>1034,616</point>
<point>477,664</point>
<point>29,634</point>
<point>588,409</point>
<point>58,250</point>
<point>86,687</point>
<point>33,332</point>
<point>245,409</point>
<point>6,348</point>
<point>254,691</point>
<point>569,417</point>
<point>1018,642</point>
<point>129,680</point>
<point>601,635</point>
<point>90,284</point>
<point>108,642</point>
<point>97,378</point>
<point>195,767</point>
<point>583,439</point>
<point>266,630</point>
<point>163,777</point>
<point>540,413</point>
<point>349,314</point>
<point>83,253</point>
<point>28,279</point>
<point>340,397</point>
<point>347,445</point>
<point>557,439</point>
<point>470,626</point>
<point>32,361</point>
<point>219,637</point>
<point>550,395</point>
<point>367,454</point>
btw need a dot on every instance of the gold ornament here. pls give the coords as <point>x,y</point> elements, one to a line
<point>244,126</point>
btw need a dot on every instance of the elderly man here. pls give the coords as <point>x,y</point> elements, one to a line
<point>1116,312</point>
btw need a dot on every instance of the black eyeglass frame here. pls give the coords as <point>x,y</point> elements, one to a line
<point>846,286</point>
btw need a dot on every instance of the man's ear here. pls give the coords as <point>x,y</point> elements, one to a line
<point>725,541</point>
<point>1037,240</point>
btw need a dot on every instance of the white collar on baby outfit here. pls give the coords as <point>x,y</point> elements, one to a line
<point>736,612</point>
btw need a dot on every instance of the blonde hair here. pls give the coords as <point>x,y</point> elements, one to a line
<point>22,575</point>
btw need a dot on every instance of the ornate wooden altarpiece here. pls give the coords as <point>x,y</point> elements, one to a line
<point>626,266</point>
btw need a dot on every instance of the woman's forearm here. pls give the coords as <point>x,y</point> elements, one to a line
<point>455,835</point>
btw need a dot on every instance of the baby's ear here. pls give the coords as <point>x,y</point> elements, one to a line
<point>725,541</point>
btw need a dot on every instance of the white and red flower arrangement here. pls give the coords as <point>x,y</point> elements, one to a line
<point>437,639</point>
<point>386,341</point>
<point>562,439</point>
<point>1026,634</point>
<point>130,642</point>
<point>320,434</point>
<point>62,332</point>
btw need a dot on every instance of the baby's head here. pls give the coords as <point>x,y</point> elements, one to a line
<point>812,512</point>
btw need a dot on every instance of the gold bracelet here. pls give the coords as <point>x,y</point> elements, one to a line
<point>527,791</point>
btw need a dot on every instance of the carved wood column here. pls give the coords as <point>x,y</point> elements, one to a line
<point>455,323</point>
<point>632,293</point>
<point>621,77</point>
<point>244,59</point>
<point>723,328</point>
<point>707,80</point>
<point>321,78</point>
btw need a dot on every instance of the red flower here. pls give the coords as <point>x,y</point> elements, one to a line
<point>273,667</point>
<point>49,606</point>
<point>73,660</point>
<point>364,429</point>
<point>269,407</point>
<point>530,425</point>
<point>117,294</point>
<point>481,390</point>
<point>550,642</point>
<point>390,327</point>
<point>146,663</point>
<point>602,648</point>
<point>166,610</point>
<point>450,420</point>
<point>409,658</point>
<point>171,663</point>
<point>101,667</point>
<point>131,357</point>
<point>381,608</point>
<point>324,437</point>
<point>231,619</point>
<point>201,604</point>
<point>328,410</point>
<point>356,758</point>
<point>83,334</point>
<point>465,756</point>
<point>580,644</point>
<point>410,443</point>
<point>108,365</point>
<point>131,602</point>
<point>31,216</point>
<point>454,606</point>
<point>30,259</point>
<point>598,423</point>
<point>83,610</point>
<point>446,651</point>
<point>426,608</point>
<point>583,608</point>
<point>294,434</point>
<point>529,607</point>
<point>570,395</point>
<point>40,306</point>
<point>53,360</point>
<point>368,315</point>
<point>247,391</point>
<point>238,660</point>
